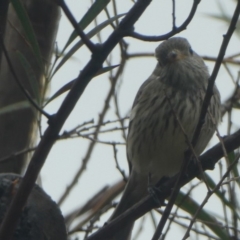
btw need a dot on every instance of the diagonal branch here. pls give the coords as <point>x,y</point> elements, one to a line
<point>79,31</point>
<point>208,160</point>
<point>203,113</point>
<point>206,101</point>
<point>55,124</point>
<point>174,31</point>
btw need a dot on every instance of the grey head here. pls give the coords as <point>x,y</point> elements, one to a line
<point>179,66</point>
<point>172,50</point>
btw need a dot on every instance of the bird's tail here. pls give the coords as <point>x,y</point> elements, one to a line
<point>135,190</point>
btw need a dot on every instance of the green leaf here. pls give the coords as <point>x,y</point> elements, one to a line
<point>236,105</point>
<point>90,15</point>
<point>79,44</point>
<point>30,75</point>
<point>232,156</point>
<point>15,107</point>
<point>190,206</point>
<point>28,29</point>
<point>69,85</point>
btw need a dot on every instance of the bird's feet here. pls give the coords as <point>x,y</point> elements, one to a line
<point>155,191</point>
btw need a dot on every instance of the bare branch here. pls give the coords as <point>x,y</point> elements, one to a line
<point>171,33</point>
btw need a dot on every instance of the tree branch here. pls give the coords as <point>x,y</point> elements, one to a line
<point>79,31</point>
<point>201,121</point>
<point>208,160</point>
<point>174,30</point>
<point>51,134</point>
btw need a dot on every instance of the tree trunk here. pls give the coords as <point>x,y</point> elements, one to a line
<point>18,128</point>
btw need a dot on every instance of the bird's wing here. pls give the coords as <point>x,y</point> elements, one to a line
<point>135,102</point>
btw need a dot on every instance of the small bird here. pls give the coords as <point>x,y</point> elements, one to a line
<point>156,143</point>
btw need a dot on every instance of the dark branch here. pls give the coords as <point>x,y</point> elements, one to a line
<point>208,160</point>
<point>51,134</point>
<point>79,31</point>
<point>174,30</point>
<point>209,93</point>
<point>173,14</point>
<point>197,131</point>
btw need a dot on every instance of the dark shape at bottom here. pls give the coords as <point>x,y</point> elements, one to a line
<point>41,218</point>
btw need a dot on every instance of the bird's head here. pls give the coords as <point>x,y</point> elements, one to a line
<point>173,50</point>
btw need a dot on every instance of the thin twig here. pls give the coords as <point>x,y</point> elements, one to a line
<point>225,60</point>
<point>16,154</point>
<point>117,164</point>
<point>173,217</point>
<point>94,138</point>
<point>175,212</point>
<point>231,142</point>
<point>15,76</point>
<point>209,194</point>
<point>203,113</point>
<point>209,93</point>
<point>77,28</point>
<point>171,33</point>
<point>9,223</point>
<point>173,15</point>
<point>176,188</point>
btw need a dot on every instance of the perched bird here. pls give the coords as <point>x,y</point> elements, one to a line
<point>156,143</point>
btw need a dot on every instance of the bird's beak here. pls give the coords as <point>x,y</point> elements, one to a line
<point>174,56</point>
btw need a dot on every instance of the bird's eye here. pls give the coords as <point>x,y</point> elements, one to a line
<point>191,51</point>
